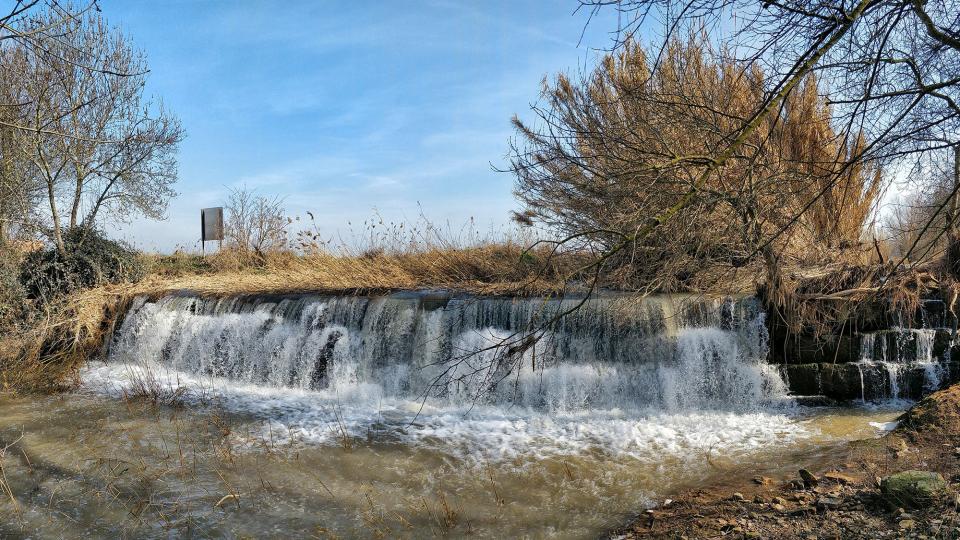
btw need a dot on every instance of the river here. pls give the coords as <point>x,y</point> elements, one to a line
<point>402,416</point>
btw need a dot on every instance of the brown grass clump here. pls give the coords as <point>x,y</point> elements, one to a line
<point>842,298</point>
<point>47,355</point>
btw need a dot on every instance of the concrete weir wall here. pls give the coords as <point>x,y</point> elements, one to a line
<point>891,360</point>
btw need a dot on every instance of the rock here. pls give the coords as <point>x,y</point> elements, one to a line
<point>778,500</point>
<point>761,480</point>
<point>738,496</point>
<point>758,499</point>
<point>840,478</point>
<point>803,379</point>
<point>778,507</point>
<point>829,503</point>
<point>913,489</point>
<point>809,480</point>
<point>907,524</point>
<point>899,448</point>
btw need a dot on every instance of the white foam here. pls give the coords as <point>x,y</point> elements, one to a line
<point>885,427</point>
<point>649,383</point>
<point>483,431</point>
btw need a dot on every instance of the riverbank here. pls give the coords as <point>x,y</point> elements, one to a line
<point>843,497</point>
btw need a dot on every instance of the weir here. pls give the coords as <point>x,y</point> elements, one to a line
<point>665,353</point>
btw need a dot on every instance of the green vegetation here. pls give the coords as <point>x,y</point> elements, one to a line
<point>12,293</point>
<point>89,260</point>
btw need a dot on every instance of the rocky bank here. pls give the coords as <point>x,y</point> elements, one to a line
<point>903,485</point>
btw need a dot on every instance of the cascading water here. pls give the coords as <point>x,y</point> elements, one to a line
<point>901,353</point>
<point>429,366</point>
<point>611,353</point>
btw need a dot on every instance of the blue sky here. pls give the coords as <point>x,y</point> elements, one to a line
<point>347,107</point>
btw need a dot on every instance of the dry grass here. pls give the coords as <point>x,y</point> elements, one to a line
<point>840,298</point>
<point>486,269</point>
<point>46,355</point>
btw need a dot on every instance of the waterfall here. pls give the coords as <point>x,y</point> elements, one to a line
<point>903,355</point>
<point>667,353</point>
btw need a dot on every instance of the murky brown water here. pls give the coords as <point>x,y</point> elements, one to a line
<point>85,466</point>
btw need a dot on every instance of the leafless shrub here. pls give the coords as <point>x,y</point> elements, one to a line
<point>255,225</point>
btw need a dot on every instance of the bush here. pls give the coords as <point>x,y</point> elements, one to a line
<point>91,260</point>
<point>13,297</point>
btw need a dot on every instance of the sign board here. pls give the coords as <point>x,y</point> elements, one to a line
<point>211,224</point>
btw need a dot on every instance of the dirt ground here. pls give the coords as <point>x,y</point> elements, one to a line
<point>842,500</point>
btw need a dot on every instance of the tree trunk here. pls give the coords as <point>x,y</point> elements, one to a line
<point>57,233</point>
<point>953,230</point>
<point>75,208</point>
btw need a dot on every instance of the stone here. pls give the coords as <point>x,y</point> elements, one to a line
<point>829,503</point>
<point>907,524</point>
<point>803,379</point>
<point>843,381</point>
<point>840,478</point>
<point>913,489</point>
<point>738,496</point>
<point>809,480</point>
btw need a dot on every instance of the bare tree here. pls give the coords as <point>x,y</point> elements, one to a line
<point>91,137</point>
<point>255,224</point>
<point>891,70</point>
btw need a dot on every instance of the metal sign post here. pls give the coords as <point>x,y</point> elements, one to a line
<point>211,227</point>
